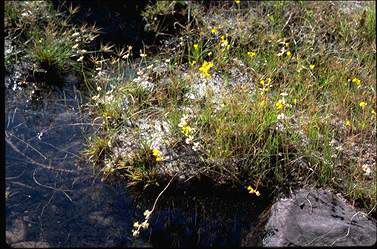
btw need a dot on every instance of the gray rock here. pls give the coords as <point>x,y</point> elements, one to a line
<point>312,217</point>
<point>16,232</point>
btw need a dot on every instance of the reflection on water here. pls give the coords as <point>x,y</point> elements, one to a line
<point>53,198</point>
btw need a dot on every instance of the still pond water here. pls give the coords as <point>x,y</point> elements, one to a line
<point>56,199</point>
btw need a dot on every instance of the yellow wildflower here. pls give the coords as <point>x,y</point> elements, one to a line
<point>224,41</point>
<point>237,1</point>
<point>209,53</point>
<point>196,46</point>
<point>362,104</point>
<point>262,82</point>
<point>193,63</point>
<point>356,81</point>
<point>348,123</point>
<point>289,53</point>
<point>214,31</point>
<point>373,112</point>
<point>205,67</point>
<point>251,190</point>
<point>251,54</point>
<point>155,152</point>
<point>311,66</point>
<point>186,130</point>
<point>279,105</point>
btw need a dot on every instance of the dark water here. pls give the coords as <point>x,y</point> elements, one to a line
<point>54,198</point>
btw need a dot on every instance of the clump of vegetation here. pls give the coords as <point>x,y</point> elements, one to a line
<point>55,46</point>
<point>269,95</point>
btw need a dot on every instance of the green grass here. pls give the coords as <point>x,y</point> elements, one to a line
<point>249,134</point>
<point>55,46</point>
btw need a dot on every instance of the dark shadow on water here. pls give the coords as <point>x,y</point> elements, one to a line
<point>54,198</point>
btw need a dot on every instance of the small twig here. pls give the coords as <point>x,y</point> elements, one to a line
<point>286,23</point>
<point>36,163</point>
<point>348,230</point>
<point>41,214</point>
<point>64,151</point>
<point>49,187</point>
<point>155,202</point>
<point>371,209</point>
<point>14,177</point>
<point>320,236</point>
<point>22,184</point>
<point>45,158</point>
<point>311,206</point>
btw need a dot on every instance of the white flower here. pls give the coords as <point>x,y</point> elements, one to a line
<point>196,146</point>
<point>136,225</point>
<point>283,94</point>
<point>281,116</point>
<point>135,233</point>
<point>366,169</point>
<point>189,140</point>
<point>145,224</point>
<point>147,213</point>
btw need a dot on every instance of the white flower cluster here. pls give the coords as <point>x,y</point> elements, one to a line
<point>367,170</point>
<point>144,225</point>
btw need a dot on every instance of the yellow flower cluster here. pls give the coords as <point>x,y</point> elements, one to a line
<point>205,67</point>
<point>356,81</point>
<point>214,31</point>
<point>156,154</point>
<point>251,54</point>
<point>265,85</point>
<point>362,104</point>
<point>187,131</point>
<point>224,42</point>
<point>280,104</point>
<point>251,191</point>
